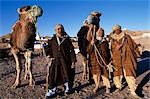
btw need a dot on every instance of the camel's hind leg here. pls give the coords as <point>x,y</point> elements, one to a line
<point>84,69</point>
<point>29,67</point>
<point>17,82</point>
<point>84,63</point>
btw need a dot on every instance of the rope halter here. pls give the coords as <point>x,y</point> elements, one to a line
<point>33,13</point>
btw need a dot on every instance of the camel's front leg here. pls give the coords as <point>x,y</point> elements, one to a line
<point>31,80</point>
<point>17,82</point>
<point>85,70</point>
<point>26,66</point>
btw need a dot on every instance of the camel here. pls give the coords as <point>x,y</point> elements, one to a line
<point>83,39</point>
<point>22,40</point>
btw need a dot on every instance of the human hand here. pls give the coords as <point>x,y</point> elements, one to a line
<point>118,45</point>
<point>92,41</point>
<point>91,26</point>
<point>110,67</point>
<point>47,58</point>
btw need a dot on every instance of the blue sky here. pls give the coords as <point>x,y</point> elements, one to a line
<point>130,14</point>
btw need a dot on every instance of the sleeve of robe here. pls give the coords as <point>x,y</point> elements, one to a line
<point>133,46</point>
<point>48,50</point>
<point>73,55</point>
<point>105,52</point>
<point>90,48</point>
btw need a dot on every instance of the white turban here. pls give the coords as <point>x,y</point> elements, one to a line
<point>96,13</point>
<point>115,27</point>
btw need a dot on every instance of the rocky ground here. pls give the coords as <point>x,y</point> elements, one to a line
<point>82,89</point>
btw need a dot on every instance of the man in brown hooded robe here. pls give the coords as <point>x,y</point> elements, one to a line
<point>103,48</point>
<point>62,53</point>
<point>99,57</point>
<point>124,55</point>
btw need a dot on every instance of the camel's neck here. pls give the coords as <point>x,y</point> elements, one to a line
<point>25,22</point>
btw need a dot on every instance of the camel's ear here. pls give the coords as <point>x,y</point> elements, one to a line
<point>18,10</point>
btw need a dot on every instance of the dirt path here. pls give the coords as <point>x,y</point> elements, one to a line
<point>82,89</point>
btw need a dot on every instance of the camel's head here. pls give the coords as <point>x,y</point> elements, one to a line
<point>30,12</point>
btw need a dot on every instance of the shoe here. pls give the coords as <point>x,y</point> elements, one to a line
<point>50,93</point>
<point>67,91</point>
<point>66,88</point>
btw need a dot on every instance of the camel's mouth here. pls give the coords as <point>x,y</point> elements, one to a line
<point>36,11</point>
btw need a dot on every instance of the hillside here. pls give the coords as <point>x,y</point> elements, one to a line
<point>140,37</point>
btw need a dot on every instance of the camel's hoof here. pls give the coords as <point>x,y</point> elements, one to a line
<point>95,90</point>
<point>32,83</point>
<point>32,86</point>
<point>25,77</point>
<point>84,77</point>
<point>14,86</point>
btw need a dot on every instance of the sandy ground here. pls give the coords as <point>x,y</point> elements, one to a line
<point>82,89</point>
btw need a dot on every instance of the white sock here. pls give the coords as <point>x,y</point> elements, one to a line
<point>51,91</point>
<point>54,89</point>
<point>67,87</point>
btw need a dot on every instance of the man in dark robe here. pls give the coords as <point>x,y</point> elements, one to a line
<point>62,54</point>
